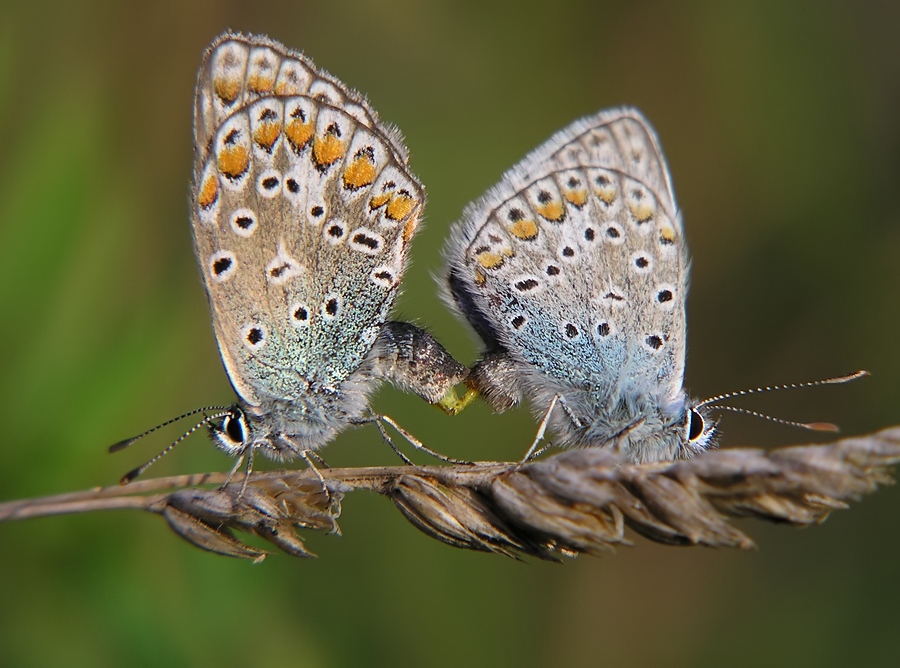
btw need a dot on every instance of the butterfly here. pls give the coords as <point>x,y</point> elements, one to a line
<point>573,271</point>
<point>303,207</point>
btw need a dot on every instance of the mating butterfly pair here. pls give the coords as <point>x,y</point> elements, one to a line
<point>572,270</point>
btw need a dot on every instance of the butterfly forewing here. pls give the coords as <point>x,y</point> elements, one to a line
<point>237,70</point>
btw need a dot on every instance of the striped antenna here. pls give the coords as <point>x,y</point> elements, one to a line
<point>812,426</point>
<point>121,445</point>
<point>131,475</point>
<point>788,386</point>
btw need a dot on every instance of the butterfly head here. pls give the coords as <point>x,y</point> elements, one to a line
<point>656,432</point>
<point>698,430</point>
<point>641,427</point>
<point>232,432</point>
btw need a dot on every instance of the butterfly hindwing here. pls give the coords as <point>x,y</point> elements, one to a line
<point>304,207</point>
<point>575,261</point>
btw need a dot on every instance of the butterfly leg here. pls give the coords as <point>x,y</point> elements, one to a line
<point>247,472</point>
<point>378,419</point>
<point>418,445</point>
<point>565,406</point>
<point>234,469</point>
<point>315,455</point>
<point>307,456</point>
<point>542,428</point>
<point>537,453</point>
<point>411,359</point>
<point>248,454</point>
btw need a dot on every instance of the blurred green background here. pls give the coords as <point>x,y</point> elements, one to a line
<point>781,123</point>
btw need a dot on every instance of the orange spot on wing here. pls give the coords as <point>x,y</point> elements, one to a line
<point>327,150</point>
<point>410,228</point>
<point>234,161</point>
<point>400,207</point>
<point>552,211</point>
<point>380,200</point>
<point>227,88</point>
<point>360,172</point>
<point>266,134</point>
<point>607,192</point>
<point>524,229</point>
<point>576,197</point>
<point>642,211</point>
<point>260,83</point>
<point>209,192</point>
<point>299,133</point>
<point>667,233</point>
<point>490,260</point>
<point>480,277</point>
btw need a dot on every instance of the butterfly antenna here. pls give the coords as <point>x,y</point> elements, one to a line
<point>787,386</point>
<point>121,445</point>
<point>812,426</point>
<point>131,475</point>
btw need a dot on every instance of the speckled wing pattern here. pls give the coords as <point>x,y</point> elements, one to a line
<point>303,209</point>
<point>575,263</point>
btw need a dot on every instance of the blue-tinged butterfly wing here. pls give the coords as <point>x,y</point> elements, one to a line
<point>575,262</point>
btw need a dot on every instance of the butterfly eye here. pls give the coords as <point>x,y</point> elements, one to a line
<point>695,425</point>
<point>234,427</point>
